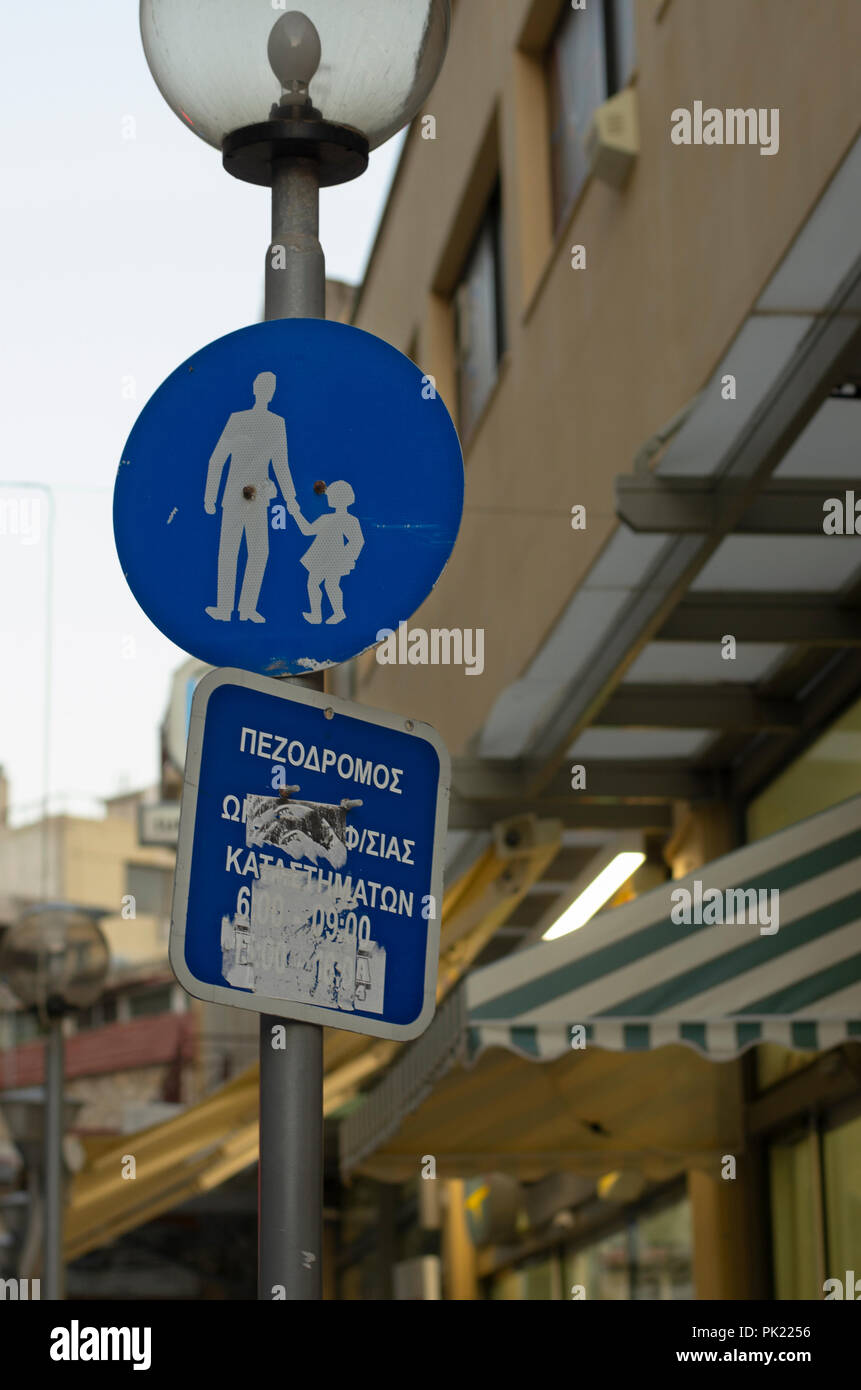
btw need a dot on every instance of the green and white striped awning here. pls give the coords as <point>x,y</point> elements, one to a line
<point>635,979</point>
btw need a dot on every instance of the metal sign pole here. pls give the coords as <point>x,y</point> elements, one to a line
<point>53,1235</point>
<point>290,1200</point>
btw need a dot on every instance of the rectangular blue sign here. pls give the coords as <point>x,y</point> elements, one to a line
<point>309,865</point>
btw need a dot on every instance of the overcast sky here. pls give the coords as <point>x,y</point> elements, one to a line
<point>125,248</point>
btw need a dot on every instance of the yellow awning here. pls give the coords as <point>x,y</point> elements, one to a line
<point>214,1140</point>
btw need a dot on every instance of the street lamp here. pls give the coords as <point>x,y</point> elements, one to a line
<point>55,959</point>
<point>294,101</point>
<point>376,60</point>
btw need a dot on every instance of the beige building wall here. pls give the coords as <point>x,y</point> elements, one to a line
<point>96,857</point>
<point>31,863</point>
<point>87,864</point>
<point>598,359</point>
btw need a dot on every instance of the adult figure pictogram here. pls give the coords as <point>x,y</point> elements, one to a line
<point>252,440</point>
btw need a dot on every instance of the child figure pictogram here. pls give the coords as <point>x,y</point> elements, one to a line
<point>337,543</point>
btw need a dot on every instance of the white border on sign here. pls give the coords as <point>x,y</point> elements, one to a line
<point>285,1008</point>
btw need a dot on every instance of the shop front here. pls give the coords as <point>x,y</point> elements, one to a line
<point>696,1064</point>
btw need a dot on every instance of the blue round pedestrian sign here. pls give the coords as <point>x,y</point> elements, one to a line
<point>286,494</point>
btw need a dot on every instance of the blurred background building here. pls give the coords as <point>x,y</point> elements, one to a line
<point>653,356</point>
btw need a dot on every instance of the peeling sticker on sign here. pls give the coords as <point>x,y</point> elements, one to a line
<point>303,940</point>
<point>303,829</point>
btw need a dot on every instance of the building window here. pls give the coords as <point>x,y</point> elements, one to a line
<point>536,1280</point>
<point>826,773</point>
<point>646,1255</point>
<point>589,58</point>
<point>151,1001</point>
<point>662,1254</point>
<point>480,318</point>
<point>841,1171</point>
<point>104,1011</point>
<point>815,1180</point>
<point>26,1026</point>
<point>151,889</point>
<point>650,1260</point>
<point>621,50</point>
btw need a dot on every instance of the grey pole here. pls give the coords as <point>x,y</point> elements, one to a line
<point>53,1163</point>
<point>290,1221</point>
<point>295,266</point>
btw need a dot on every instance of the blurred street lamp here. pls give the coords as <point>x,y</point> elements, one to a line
<point>55,959</point>
<point>294,101</point>
<point>25,1114</point>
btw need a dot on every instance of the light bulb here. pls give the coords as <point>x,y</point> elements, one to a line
<point>294,53</point>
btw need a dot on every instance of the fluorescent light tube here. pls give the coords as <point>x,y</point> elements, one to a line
<point>600,890</point>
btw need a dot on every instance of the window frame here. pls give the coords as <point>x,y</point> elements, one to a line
<point>150,992</point>
<point>491,222</point>
<point>605,1224</point>
<point>133,867</point>
<point>810,1124</point>
<point>614,80</point>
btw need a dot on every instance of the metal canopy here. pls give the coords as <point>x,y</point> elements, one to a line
<point>786,506</point>
<point>806,383</point>
<point>721,534</point>
<point>803,620</point>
